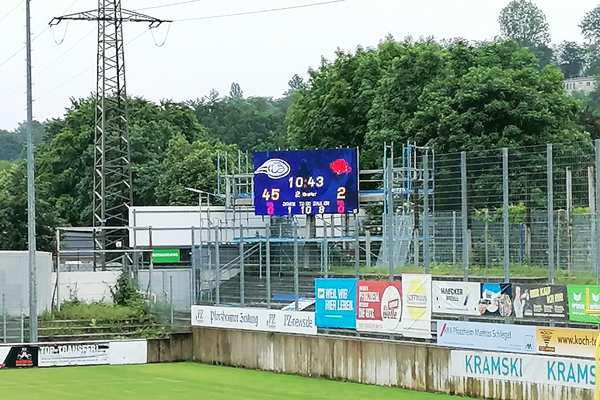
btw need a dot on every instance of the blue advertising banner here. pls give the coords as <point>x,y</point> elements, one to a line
<point>335,303</point>
<point>306,182</point>
<point>487,336</point>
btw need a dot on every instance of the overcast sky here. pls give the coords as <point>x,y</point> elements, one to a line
<point>260,52</point>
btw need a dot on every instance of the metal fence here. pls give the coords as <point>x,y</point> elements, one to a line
<point>529,212</point>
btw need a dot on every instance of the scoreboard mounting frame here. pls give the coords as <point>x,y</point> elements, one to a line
<point>306,182</point>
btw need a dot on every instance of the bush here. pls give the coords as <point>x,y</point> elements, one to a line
<point>125,292</point>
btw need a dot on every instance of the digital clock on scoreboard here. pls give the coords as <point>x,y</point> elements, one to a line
<point>306,182</point>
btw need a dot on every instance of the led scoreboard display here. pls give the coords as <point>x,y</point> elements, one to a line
<point>306,182</point>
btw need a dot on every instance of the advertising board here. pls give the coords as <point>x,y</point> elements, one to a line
<point>379,306</point>
<point>67,354</point>
<point>567,342</point>
<point>555,371</point>
<point>484,336</point>
<point>460,298</point>
<point>539,301</point>
<point>496,300</point>
<point>20,356</point>
<point>254,319</point>
<point>335,303</point>
<point>577,303</point>
<point>416,306</point>
<point>306,182</point>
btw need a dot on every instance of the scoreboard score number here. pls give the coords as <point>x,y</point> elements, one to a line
<point>305,182</point>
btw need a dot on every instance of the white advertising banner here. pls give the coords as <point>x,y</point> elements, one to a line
<point>255,319</point>
<point>416,306</point>
<point>487,336</point>
<point>456,297</point>
<point>66,354</point>
<point>524,368</point>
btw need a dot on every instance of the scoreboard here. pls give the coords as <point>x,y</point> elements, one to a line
<point>306,182</point>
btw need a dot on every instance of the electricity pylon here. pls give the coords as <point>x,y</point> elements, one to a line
<point>113,184</point>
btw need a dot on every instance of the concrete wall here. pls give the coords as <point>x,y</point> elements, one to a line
<point>179,347</point>
<point>87,286</point>
<point>384,363</point>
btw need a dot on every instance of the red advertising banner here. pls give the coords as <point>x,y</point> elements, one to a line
<point>379,306</point>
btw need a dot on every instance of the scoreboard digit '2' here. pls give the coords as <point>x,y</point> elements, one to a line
<point>306,182</point>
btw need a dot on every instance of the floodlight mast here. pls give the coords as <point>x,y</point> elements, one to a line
<point>113,183</point>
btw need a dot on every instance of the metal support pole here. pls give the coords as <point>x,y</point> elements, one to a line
<point>426,254</point>
<point>453,237</point>
<point>217,271</point>
<point>390,216</point>
<point>505,215</point>
<point>31,236</point>
<point>58,269</point>
<point>325,257</point>
<point>550,182</point>
<point>242,268</point>
<point>171,297</point>
<point>23,328</point>
<point>194,296</point>
<point>151,269</point>
<point>268,263</point>
<point>296,289</point>
<point>465,233</point>
<point>4,318</point>
<point>486,233</point>
<point>597,161</point>
<point>570,248</point>
<point>368,247</point>
<point>356,247</point>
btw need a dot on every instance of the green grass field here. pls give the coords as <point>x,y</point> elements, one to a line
<point>185,381</point>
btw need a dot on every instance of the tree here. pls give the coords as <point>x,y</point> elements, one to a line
<point>63,167</point>
<point>523,22</point>
<point>255,123</point>
<point>590,25</point>
<point>236,93</point>
<point>571,59</point>
<point>454,99</point>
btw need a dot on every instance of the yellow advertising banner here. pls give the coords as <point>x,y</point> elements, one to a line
<point>566,342</point>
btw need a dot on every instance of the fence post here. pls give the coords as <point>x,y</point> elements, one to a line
<point>296,289</point>
<point>356,247</point>
<point>506,240</point>
<point>465,234</point>
<point>570,248</point>
<point>58,269</point>
<point>151,268</point>
<point>23,325</point>
<point>597,143</point>
<point>485,237</point>
<point>194,295</point>
<point>4,317</point>
<point>268,262</point>
<point>368,247</point>
<point>550,182</point>
<point>242,268</point>
<point>326,256</point>
<point>171,297</point>
<point>426,254</point>
<point>217,271</point>
<point>453,237</point>
<point>390,215</point>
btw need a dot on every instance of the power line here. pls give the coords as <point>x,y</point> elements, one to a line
<point>261,11</point>
<point>167,5</point>
<point>11,11</point>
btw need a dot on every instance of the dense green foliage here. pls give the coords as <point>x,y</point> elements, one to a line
<point>453,99</point>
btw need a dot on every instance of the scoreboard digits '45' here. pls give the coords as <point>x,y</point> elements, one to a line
<point>306,182</point>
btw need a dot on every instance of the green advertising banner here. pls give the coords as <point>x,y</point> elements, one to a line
<point>165,256</point>
<point>577,303</point>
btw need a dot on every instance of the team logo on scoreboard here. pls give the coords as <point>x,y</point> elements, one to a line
<point>275,168</point>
